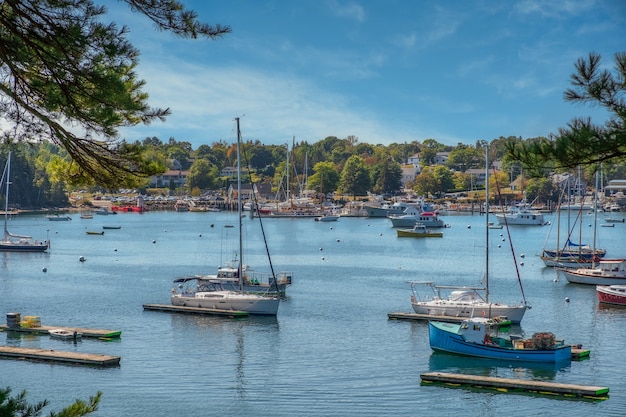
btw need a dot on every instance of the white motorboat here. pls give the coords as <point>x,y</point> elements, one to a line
<point>521,214</point>
<point>413,215</point>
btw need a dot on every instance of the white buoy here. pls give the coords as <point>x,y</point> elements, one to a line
<point>323,258</point>
<point>338,240</point>
<point>522,255</point>
<point>44,270</point>
<point>567,299</point>
<point>154,241</point>
<point>521,263</point>
<point>469,226</point>
<point>321,249</point>
<point>82,259</point>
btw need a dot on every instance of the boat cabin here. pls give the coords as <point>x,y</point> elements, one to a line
<point>475,330</point>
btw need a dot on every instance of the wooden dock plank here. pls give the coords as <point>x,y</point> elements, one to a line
<point>519,384</point>
<point>59,356</point>
<point>427,317</point>
<point>95,333</point>
<point>195,310</point>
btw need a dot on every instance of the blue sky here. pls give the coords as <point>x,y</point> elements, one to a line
<point>383,71</point>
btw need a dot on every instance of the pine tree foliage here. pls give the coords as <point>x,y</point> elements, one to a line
<point>69,78</point>
<point>583,142</point>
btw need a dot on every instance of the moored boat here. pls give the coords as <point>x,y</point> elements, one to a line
<point>327,218</point>
<point>386,209</point>
<point>612,294</point>
<point>521,214</point>
<point>478,337</point>
<point>413,215</point>
<point>65,334</point>
<point>58,218</point>
<point>603,272</point>
<point>418,230</point>
<point>213,295</point>
<point>460,302</point>
<point>467,302</point>
<point>11,242</point>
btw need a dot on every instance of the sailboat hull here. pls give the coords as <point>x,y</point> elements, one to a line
<point>11,246</point>
<point>453,309</point>
<point>228,300</point>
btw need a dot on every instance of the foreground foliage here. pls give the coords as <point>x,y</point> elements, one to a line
<point>17,406</point>
<point>582,142</point>
<point>68,78</point>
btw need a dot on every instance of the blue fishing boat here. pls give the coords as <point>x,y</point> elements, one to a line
<point>479,337</point>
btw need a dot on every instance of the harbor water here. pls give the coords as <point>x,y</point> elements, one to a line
<point>331,351</point>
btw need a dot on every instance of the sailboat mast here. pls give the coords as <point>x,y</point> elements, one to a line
<point>240,265</point>
<point>487,222</point>
<point>595,222</point>
<point>7,170</point>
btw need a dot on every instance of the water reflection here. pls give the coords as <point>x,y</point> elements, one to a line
<point>448,362</point>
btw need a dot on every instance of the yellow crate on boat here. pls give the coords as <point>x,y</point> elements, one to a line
<point>518,344</point>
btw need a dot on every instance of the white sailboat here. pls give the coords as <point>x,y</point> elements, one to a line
<point>11,242</point>
<point>212,295</point>
<point>468,301</point>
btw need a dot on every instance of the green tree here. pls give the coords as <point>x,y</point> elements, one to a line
<point>464,157</point>
<point>541,189</point>
<point>325,177</point>
<point>355,179</point>
<point>386,177</point>
<point>582,142</point>
<point>425,184</point>
<point>17,406</point>
<point>202,175</point>
<point>61,65</point>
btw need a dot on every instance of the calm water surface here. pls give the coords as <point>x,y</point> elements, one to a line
<point>330,352</point>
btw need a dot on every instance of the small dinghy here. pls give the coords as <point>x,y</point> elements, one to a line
<point>65,334</point>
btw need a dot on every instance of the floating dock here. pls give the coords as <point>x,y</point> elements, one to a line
<point>427,317</point>
<point>49,355</point>
<point>95,333</point>
<point>502,321</point>
<point>195,310</point>
<point>540,387</point>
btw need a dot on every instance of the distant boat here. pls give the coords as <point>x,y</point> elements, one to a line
<point>11,242</point>
<point>112,227</point>
<point>86,216</point>
<point>386,209</point>
<point>418,230</point>
<point>58,218</point>
<point>94,232</point>
<point>414,215</point>
<point>612,294</point>
<point>103,211</point>
<point>614,220</point>
<point>327,218</point>
<point>521,214</point>
<point>479,337</point>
